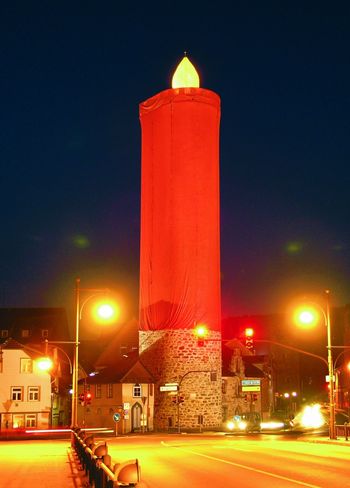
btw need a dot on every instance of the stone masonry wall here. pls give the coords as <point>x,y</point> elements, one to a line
<point>174,356</point>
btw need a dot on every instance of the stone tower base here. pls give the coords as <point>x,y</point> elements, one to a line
<point>174,356</point>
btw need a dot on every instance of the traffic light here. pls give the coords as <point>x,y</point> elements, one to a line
<point>82,398</point>
<point>249,341</point>
<point>88,398</point>
<point>254,397</point>
<point>201,332</point>
<point>181,399</point>
<point>174,399</point>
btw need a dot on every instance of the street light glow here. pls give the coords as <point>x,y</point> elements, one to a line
<point>201,330</point>
<point>106,312</point>
<point>306,317</point>
<point>44,364</point>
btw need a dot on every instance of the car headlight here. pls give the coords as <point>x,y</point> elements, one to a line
<point>230,425</point>
<point>242,425</point>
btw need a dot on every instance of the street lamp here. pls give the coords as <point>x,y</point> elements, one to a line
<point>106,312</point>
<point>307,316</point>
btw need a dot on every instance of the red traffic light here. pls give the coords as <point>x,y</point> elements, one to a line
<point>88,398</point>
<point>249,332</point>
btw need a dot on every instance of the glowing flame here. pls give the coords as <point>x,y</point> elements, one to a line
<point>185,75</point>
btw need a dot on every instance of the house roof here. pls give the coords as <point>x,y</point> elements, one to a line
<point>35,320</point>
<point>126,370</point>
<point>12,344</point>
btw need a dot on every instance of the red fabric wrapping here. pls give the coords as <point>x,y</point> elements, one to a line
<point>180,226</point>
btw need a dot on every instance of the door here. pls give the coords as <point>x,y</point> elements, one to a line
<point>136,412</point>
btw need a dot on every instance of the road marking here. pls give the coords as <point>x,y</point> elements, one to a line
<point>231,447</point>
<point>243,466</point>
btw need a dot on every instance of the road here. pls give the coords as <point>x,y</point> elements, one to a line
<point>193,461</point>
<point>171,461</point>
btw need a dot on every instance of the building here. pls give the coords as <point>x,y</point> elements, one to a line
<point>180,249</point>
<point>25,390</point>
<point>34,325</point>
<point>120,396</point>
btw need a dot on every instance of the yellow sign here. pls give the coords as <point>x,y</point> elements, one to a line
<point>250,388</point>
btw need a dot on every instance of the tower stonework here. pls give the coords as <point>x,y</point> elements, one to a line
<point>180,254</point>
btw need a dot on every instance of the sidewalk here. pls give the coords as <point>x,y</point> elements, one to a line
<point>42,463</point>
<point>324,440</point>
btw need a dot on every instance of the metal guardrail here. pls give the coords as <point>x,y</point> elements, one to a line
<point>343,431</point>
<point>97,463</point>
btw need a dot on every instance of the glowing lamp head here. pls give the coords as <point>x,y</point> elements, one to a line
<point>44,364</point>
<point>201,331</point>
<point>306,317</point>
<point>185,75</point>
<point>106,312</point>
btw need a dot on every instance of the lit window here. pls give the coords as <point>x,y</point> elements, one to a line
<point>4,333</point>
<point>110,390</point>
<point>136,391</point>
<point>33,393</point>
<point>30,420</point>
<point>26,365</point>
<point>25,333</point>
<point>98,391</point>
<point>16,393</point>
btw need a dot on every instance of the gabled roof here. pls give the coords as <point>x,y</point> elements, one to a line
<point>130,370</point>
<point>12,344</point>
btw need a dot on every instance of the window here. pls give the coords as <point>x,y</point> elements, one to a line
<point>109,390</point>
<point>136,391</point>
<point>4,333</point>
<point>33,393</point>
<point>30,420</point>
<point>25,333</point>
<point>151,389</point>
<point>98,391</point>
<point>16,393</point>
<point>44,333</point>
<point>224,387</point>
<point>26,365</point>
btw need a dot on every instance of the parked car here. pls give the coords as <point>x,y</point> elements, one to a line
<point>244,423</point>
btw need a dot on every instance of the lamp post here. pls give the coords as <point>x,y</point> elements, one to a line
<point>330,372</point>
<point>308,317</point>
<point>107,312</point>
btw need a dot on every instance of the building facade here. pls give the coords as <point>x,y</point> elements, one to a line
<point>25,390</point>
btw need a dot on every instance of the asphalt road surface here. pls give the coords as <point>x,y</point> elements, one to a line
<point>173,461</point>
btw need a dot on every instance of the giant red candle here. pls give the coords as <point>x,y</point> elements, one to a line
<point>180,226</point>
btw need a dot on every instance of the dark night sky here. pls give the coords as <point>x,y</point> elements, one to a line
<point>72,76</point>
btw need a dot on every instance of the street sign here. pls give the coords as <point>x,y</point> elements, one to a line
<point>251,382</point>
<point>169,388</point>
<point>251,388</point>
<point>116,417</point>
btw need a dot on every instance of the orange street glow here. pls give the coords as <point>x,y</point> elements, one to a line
<point>185,75</point>
<point>306,316</point>
<point>201,330</point>
<point>44,364</point>
<point>106,312</point>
